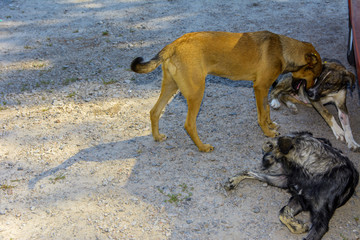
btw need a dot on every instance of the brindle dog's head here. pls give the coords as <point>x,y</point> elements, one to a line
<point>333,78</point>
<point>311,70</point>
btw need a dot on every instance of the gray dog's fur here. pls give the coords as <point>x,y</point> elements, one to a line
<point>318,176</point>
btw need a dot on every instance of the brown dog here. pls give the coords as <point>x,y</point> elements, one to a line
<point>258,56</point>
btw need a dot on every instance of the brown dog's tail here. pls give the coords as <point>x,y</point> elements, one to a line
<point>139,66</point>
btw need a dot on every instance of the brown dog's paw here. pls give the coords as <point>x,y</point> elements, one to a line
<point>272,133</point>
<point>274,125</point>
<point>160,138</point>
<point>206,148</point>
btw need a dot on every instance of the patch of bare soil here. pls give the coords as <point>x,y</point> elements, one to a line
<point>77,159</point>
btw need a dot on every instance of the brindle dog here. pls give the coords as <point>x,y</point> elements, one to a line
<point>318,176</point>
<point>330,87</point>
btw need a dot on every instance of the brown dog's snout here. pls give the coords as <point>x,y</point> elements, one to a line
<point>308,78</point>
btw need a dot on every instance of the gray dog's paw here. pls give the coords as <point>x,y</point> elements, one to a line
<point>232,182</point>
<point>229,184</point>
<point>267,147</point>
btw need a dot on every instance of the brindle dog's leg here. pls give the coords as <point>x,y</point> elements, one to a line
<point>330,120</point>
<point>345,122</point>
<point>287,217</point>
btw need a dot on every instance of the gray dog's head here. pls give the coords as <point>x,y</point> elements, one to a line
<point>277,148</point>
<point>313,155</point>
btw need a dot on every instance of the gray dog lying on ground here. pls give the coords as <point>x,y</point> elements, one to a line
<point>330,87</point>
<point>319,177</point>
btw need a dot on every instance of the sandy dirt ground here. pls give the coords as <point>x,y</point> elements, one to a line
<point>77,159</point>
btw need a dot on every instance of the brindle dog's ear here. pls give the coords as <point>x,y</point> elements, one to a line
<point>285,144</point>
<point>349,77</point>
<point>311,59</point>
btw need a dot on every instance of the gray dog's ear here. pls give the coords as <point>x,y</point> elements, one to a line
<point>267,147</point>
<point>285,144</point>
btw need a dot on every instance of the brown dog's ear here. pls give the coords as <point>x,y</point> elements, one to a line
<point>311,59</point>
<point>285,144</point>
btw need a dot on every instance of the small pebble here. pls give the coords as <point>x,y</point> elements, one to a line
<point>256,210</point>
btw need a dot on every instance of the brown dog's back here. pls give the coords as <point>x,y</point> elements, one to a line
<point>237,56</point>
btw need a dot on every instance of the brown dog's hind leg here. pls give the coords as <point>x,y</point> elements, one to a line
<point>168,89</point>
<point>287,217</point>
<point>194,100</point>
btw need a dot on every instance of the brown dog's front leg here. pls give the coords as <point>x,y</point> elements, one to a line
<point>263,111</point>
<point>271,124</point>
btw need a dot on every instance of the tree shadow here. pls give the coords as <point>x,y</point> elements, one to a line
<point>62,29</point>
